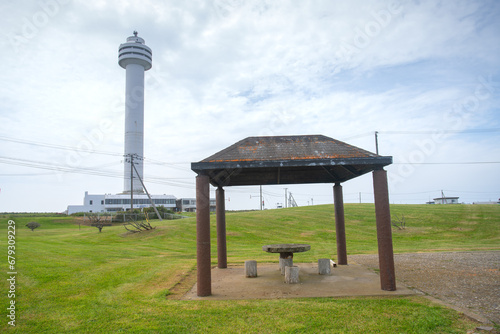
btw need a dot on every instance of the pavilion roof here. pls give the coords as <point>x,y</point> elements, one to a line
<point>288,160</point>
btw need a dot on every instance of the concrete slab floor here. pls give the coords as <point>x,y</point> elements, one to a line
<point>348,280</point>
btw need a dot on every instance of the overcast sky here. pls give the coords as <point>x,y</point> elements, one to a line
<point>425,74</point>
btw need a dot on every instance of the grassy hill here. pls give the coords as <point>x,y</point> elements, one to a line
<point>73,279</point>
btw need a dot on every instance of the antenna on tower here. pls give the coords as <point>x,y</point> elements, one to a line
<point>135,33</point>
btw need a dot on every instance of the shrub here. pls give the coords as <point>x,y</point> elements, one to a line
<point>33,225</point>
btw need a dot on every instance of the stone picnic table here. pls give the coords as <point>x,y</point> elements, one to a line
<point>286,253</point>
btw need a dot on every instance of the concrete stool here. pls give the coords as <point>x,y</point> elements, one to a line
<point>292,275</point>
<point>251,268</point>
<point>285,263</point>
<point>324,266</point>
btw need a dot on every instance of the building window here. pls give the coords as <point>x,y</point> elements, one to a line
<point>91,202</point>
<point>102,202</point>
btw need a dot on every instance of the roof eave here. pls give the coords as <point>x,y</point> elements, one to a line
<point>200,167</point>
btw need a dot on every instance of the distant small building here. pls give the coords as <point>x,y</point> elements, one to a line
<point>488,202</point>
<point>446,200</point>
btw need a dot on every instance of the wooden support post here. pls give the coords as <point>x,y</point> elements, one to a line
<point>340,224</point>
<point>204,276</point>
<point>221,228</point>
<point>384,232</point>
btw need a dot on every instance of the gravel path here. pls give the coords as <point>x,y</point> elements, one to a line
<point>469,281</point>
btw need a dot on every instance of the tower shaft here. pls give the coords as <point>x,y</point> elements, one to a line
<point>134,125</point>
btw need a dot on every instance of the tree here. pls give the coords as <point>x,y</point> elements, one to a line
<point>399,223</point>
<point>98,221</point>
<point>33,225</point>
<point>137,226</point>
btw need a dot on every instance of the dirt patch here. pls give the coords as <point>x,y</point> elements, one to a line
<point>185,282</point>
<point>461,229</point>
<point>467,281</point>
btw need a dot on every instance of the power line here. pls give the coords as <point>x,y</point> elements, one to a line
<point>448,163</point>
<point>174,165</point>
<point>169,164</point>
<point>471,192</point>
<point>54,167</point>
<point>90,171</point>
<point>55,146</point>
<point>27,174</point>
<point>360,135</point>
<point>422,132</point>
<point>430,132</point>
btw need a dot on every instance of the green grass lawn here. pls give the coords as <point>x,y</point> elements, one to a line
<point>73,279</point>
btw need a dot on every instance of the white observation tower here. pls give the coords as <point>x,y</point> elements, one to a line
<point>135,57</point>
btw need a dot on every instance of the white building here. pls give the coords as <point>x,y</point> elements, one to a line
<point>114,203</point>
<point>488,202</point>
<point>446,200</point>
<point>189,204</point>
<point>186,204</point>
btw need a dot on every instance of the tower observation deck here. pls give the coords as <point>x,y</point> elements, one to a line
<point>135,52</point>
<point>136,58</point>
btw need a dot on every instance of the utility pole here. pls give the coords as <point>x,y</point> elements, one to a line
<point>149,196</point>
<point>292,203</point>
<point>286,189</point>
<point>131,157</point>
<point>261,197</point>
<point>376,142</point>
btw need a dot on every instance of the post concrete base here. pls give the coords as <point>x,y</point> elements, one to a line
<point>285,263</point>
<point>324,267</point>
<point>251,268</point>
<point>292,275</point>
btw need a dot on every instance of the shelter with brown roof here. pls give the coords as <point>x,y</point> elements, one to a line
<point>275,160</point>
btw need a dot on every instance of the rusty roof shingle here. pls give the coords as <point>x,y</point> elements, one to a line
<point>279,148</point>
